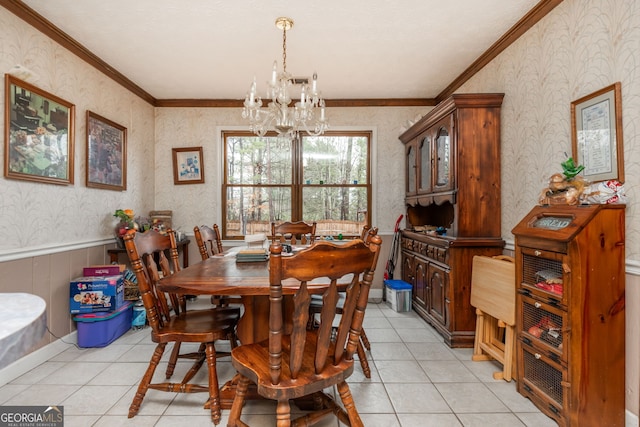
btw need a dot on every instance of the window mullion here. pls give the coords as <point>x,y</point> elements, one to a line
<point>296,184</point>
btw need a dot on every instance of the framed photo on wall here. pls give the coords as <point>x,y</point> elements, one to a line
<point>187,166</point>
<point>596,137</point>
<point>38,134</point>
<point>106,153</point>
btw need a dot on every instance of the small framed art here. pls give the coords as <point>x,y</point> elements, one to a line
<point>38,134</point>
<point>596,124</point>
<point>187,165</point>
<point>106,153</point>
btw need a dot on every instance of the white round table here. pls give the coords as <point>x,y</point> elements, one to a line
<point>23,322</point>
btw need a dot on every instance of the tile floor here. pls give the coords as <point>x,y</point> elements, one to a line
<point>417,381</point>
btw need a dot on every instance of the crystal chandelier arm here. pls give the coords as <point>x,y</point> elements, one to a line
<point>319,128</point>
<point>259,119</point>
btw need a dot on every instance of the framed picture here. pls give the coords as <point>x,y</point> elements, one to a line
<point>38,134</point>
<point>187,165</point>
<point>596,124</point>
<point>106,153</point>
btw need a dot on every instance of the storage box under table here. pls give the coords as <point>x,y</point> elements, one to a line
<point>90,294</point>
<point>398,295</point>
<point>101,329</point>
<point>103,270</point>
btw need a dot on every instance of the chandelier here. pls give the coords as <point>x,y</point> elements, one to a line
<point>308,114</point>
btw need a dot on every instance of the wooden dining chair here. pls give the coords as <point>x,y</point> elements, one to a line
<point>209,244</point>
<point>293,232</point>
<point>210,240</point>
<point>153,256</point>
<point>316,307</point>
<point>298,362</point>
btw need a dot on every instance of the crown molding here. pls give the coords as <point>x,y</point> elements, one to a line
<point>45,26</point>
<point>522,26</point>
<point>40,23</point>
<point>238,103</point>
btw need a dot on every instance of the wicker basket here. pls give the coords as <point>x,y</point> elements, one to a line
<point>131,291</point>
<point>554,199</point>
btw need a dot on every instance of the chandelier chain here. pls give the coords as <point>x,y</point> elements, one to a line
<point>284,49</point>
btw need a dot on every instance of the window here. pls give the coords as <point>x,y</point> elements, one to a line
<point>326,179</point>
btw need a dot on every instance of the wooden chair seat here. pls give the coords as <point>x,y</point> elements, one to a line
<point>244,362</point>
<point>298,362</point>
<point>196,326</point>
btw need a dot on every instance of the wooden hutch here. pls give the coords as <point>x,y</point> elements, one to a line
<point>452,208</point>
<point>570,317</point>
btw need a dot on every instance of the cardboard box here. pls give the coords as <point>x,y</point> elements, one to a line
<point>90,294</point>
<point>398,295</point>
<point>104,270</point>
<point>101,329</point>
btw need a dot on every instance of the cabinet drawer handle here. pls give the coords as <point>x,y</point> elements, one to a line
<point>537,305</point>
<point>537,253</point>
<point>537,356</point>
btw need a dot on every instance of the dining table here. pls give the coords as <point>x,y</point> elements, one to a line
<point>224,275</point>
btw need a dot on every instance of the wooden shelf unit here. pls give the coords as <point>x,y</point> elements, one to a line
<point>570,320</point>
<point>453,182</point>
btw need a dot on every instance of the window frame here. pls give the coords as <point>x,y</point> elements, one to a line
<point>297,185</point>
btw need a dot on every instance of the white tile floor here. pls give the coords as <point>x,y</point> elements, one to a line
<point>417,381</point>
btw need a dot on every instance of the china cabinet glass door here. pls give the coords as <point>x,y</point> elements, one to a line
<point>443,148</point>
<point>424,171</point>
<point>411,168</point>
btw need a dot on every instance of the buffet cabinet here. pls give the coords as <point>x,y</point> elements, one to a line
<point>439,269</point>
<point>570,320</point>
<point>452,200</point>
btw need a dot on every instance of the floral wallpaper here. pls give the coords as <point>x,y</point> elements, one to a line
<point>36,215</point>
<point>581,47</point>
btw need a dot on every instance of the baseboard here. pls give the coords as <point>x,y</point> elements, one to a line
<point>34,359</point>
<point>375,295</point>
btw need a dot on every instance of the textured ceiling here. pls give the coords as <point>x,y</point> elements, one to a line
<point>212,49</point>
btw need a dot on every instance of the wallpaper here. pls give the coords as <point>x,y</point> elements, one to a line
<point>36,215</point>
<point>581,47</point>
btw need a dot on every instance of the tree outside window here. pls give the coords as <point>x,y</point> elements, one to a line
<point>324,178</point>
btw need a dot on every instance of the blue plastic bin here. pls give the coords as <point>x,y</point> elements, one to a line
<point>101,329</point>
<point>398,295</point>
